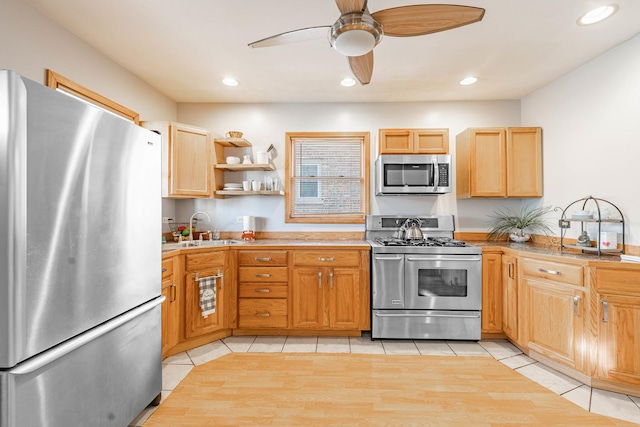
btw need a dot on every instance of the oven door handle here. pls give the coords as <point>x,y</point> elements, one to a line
<point>466,316</point>
<point>389,257</point>
<point>418,258</point>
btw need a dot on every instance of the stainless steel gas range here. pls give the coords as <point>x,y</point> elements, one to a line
<point>429,288</point>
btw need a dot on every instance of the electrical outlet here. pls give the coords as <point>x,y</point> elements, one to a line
<point>239,219</point>
<point>166,219</point>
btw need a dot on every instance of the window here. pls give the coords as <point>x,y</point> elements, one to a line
<point>63,84</point>
<point>327,176</point>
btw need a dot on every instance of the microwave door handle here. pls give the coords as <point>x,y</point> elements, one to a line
<point>436,175</point>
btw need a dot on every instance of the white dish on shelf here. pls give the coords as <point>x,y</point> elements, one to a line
<point>233,184</point>
<point>232,160</point>
<point>584,216</point>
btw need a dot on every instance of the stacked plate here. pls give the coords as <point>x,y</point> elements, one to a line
<point>231,186</point>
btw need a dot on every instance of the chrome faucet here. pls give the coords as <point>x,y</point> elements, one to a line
<point>191,225</point>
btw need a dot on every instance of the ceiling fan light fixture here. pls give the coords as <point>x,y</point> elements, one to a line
<point>229,81</point>
<point>355,34</point>
<point>598,14</point>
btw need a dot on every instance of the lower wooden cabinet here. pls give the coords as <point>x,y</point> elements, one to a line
<point>328,290</point>
<point>171,313</point>
<point>198,266</point>
<point>616,304</point>
<point>263,289</point>
<point>492,307</point>
<point>554,311</point>
<point>510,297</point>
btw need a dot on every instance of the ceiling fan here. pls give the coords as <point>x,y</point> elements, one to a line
<point>357,32</point>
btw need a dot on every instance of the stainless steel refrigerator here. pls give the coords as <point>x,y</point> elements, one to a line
<point>80,261</point>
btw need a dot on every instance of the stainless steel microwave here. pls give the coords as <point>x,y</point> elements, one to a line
<point>413,174</point>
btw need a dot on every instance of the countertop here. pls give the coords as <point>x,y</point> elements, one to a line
<point>269,244</point>
<point>547,249</point>
<point>533,248</point>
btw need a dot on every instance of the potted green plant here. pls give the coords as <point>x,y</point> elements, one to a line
<point>519,224</point>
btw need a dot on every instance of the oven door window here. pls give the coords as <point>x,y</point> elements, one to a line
<point>442,283</point>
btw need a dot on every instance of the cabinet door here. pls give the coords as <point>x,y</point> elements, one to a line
<point>510,297</point>
<point>395,141</point>
<point>488,163</point>
<point>344,298</point>
<point>196,324</point>
<point>524,162</point>
<point>556,322</point>
<point>491,293</point>
<point>307,302</point>
<point>618,338</point>
<point>431,141</point>
<point>170,331</point>
<point>190,161</point>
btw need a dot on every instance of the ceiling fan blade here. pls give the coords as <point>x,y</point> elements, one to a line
<point>362,67</point>
<point>350,6</point>
<point>294,36</point>
<point>422,19</point>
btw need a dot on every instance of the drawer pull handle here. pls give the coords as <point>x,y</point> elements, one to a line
<point>263,259</point>
<point>263,291</point>
<point>554,272</point>
<point>605,310</point>
<point>320,279</point>
<point>511,270</point>
<point>263,275</point>
<point>329,259</point>
<point>576,301</point>
<point>173,292</point>
<point>267,314</point>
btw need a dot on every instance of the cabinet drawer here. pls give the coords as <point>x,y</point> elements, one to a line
<point>563,273</point>
<point>327,258</point>
<point>263,290</point>
<point>167,268</point>
<point>262,274</point>
<point>616,280</point>
<point>195,262</point>
<point>262,258</point>
<point>262,313</point>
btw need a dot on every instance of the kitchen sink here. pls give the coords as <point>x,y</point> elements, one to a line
<point>199,244</point>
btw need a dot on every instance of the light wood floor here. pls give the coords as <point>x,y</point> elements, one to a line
<point>259,389</point>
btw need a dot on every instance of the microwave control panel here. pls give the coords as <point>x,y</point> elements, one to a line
<point>443,176</point>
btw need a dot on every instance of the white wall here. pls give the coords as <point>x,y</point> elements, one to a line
<point>30,43</point>
<point>591,131</point>
<point>265,124</point>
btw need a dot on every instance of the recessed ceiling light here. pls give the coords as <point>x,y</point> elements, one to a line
<point>347,82</point>
<point>229,81</point>
<point>468,81</point>
<point>598,14</point>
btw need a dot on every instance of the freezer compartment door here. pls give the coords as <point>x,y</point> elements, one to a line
<point>426,324</point>
<point>105,377</point>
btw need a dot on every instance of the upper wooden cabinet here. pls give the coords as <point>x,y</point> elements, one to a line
<point>187,160</point>
<point>499,162</point>
<point>413,141</point>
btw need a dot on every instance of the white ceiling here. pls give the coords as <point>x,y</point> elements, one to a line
<point>184,48</point>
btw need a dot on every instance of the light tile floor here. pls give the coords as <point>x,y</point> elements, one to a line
<point>616,405</point>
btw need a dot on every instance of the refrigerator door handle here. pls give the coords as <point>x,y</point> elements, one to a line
<point>67,347</point>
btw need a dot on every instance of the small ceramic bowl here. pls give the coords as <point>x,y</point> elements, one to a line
<point>233,160</point>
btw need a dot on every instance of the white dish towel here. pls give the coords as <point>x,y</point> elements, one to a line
<point>208,296</point>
